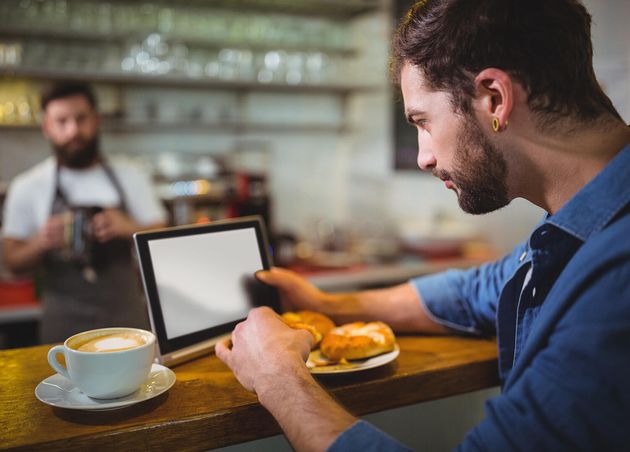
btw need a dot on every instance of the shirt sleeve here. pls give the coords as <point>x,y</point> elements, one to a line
<point>366,438</point>
<point>466,300</point>
<point>18,219</point>
<point>574,394</point>
<point>143,202</point>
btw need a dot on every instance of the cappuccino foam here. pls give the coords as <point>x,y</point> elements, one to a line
<point>111,343</point>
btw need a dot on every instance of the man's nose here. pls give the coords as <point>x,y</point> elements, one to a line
<point>426,160</point>
<point>72,128</point>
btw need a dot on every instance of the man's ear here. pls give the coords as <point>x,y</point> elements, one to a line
<point>44,125</point>
<point>495,96</point>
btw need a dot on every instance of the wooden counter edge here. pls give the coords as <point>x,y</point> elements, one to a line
<point>251,422</point>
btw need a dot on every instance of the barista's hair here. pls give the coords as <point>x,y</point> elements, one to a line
<point>63,89</point>
<point>544,44</point>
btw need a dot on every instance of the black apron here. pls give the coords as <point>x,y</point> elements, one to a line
<point>98,290</point>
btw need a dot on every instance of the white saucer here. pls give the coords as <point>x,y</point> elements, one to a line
<point>58,391</point>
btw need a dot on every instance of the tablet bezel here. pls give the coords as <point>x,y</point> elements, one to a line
<point>209,336</point>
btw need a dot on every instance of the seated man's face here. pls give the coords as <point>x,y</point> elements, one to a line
<point>71,125</point>
<point>454,147</point>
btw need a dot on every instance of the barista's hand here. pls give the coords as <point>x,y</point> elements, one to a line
<point>51,235</point>
<point>264,349</point>
<point>295,291</point>
<point>112,223</point>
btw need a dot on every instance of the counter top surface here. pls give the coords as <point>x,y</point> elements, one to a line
<point>208,408</point>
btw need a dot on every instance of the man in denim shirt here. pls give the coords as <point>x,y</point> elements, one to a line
<point>506,105</point>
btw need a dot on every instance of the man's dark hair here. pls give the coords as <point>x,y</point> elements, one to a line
<point>544,44</point>
<point>60,90</point>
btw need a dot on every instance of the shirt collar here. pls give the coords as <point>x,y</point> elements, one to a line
<point>598,201</point>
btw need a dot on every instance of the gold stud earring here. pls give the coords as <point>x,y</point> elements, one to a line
<point>495,124</point>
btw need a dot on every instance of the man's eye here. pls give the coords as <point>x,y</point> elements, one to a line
<point>420,122</point>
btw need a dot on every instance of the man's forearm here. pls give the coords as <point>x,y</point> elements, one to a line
<point>399,306</point>
<point>308,415</point>
<point>22,256</point>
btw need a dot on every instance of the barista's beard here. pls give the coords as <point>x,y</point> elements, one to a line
<point>80,158</point>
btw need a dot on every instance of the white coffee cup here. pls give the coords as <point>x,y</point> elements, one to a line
<point>119,361</point>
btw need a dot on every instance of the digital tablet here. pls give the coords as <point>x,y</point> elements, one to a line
<point>199,282</point>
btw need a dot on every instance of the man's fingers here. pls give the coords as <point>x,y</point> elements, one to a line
<point>100,221</point>
<point>223,349</point>
<point>102,235</point>
<point>265,276</point>
<point>309,337</point>
<point>260,311</point>
<point>274,275</point>
<point>278,277</point>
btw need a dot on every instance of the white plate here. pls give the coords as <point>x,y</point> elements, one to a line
<point>58,391</point>
<point>355,365</point>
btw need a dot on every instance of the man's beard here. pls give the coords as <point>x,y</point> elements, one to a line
<point>480,171</point>
<point>82,157</point>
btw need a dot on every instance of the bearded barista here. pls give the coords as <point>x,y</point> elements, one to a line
<point>72,217</point>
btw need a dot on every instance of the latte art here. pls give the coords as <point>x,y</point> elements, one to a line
<point>105,363</point>
<point>111,343</point>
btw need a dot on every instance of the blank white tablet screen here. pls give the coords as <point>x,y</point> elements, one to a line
<point>200,277</point>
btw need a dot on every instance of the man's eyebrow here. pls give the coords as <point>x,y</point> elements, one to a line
<point>409,114</point>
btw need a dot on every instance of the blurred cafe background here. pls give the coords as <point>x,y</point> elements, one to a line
<point>281,108</point>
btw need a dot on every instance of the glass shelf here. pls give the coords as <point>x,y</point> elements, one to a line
<point>240,47</point>
<point>198,127</point>
<point>97,37</point>
<point>334,9</point>
<point>179,81</point>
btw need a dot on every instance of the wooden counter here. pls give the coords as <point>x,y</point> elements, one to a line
<point>207,407</point>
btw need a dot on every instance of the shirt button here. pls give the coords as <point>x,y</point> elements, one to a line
<point>523,256</point>
<point>534,292</point>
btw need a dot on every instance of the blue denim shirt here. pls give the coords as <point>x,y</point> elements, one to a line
<point>559,305</point>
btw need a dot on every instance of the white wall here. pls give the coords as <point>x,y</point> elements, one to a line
<point>611,53</point>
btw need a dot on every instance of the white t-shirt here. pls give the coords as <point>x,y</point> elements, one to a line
<point>29,199</point>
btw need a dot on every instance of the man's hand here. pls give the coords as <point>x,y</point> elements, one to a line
<point>295,291</point>
<point>268,357</point>
<point>398,306</point>
<point>264,349</point>
<point>25,255</point>
<point>51,236</point>
<point>112,223</point>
